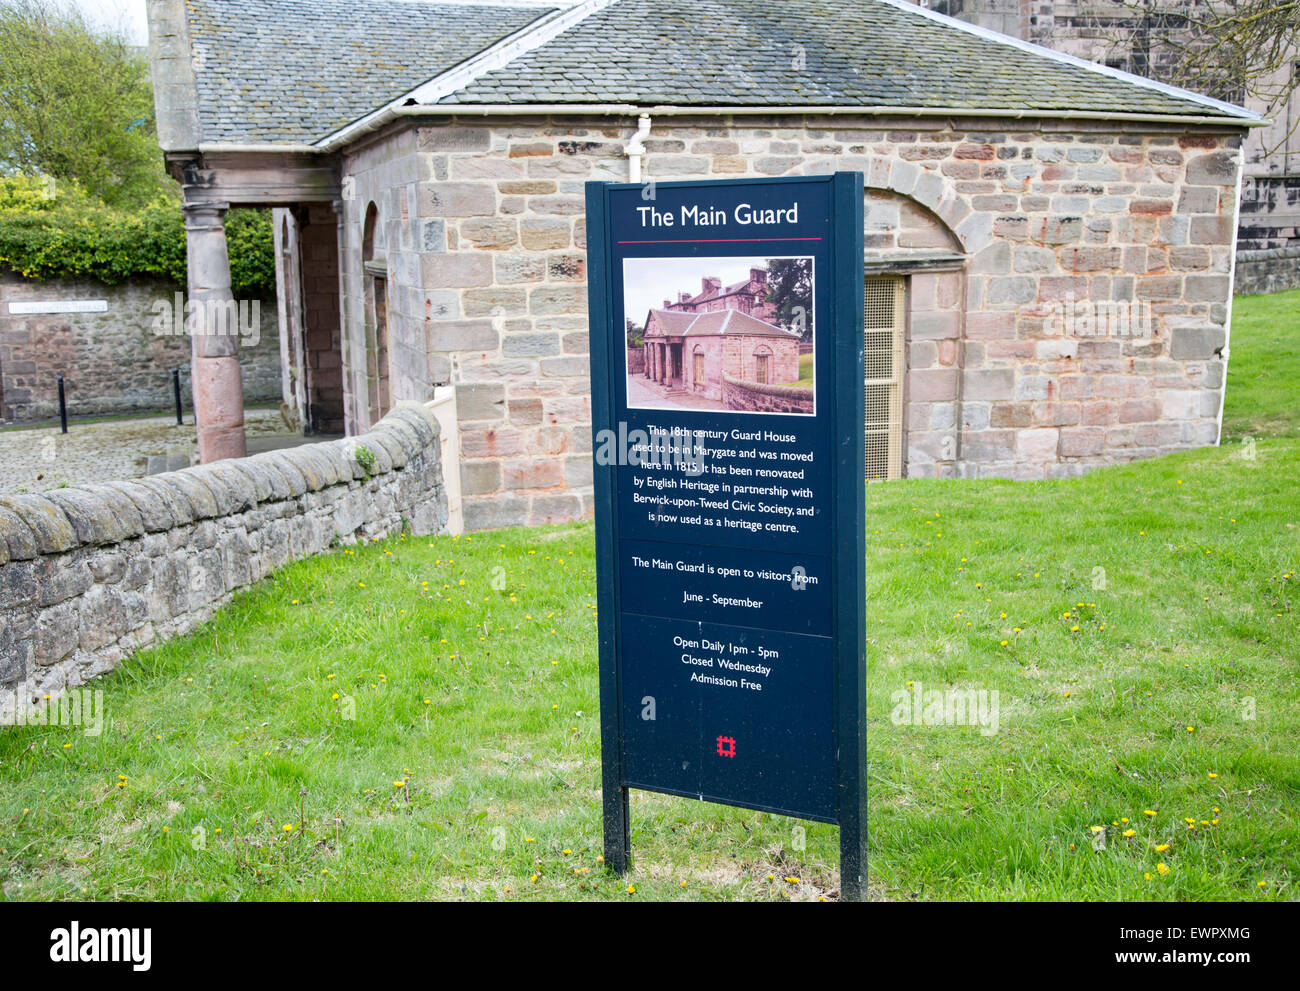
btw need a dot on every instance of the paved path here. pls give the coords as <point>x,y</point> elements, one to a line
<point>33,460</point>
<point>642,394</point>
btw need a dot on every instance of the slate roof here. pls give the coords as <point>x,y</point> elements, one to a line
<point>716,323</point>
<point>741,53</point>
<point>725,322</point>
<point>673,323</point>
<point>294,71</point>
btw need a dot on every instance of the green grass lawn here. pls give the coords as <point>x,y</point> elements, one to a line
<point>418,718</point>
<point>1264,367</point>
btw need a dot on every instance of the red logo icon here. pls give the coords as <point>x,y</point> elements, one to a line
<point>726,746</point>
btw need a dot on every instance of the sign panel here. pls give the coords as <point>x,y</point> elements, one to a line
<point>60,306</point>
<point>727,395</point>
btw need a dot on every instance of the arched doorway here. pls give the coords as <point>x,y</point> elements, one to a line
<point>914,291</point>
<point>375,264</point>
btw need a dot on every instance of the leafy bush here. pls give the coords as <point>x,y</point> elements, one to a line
<point>73,235</point>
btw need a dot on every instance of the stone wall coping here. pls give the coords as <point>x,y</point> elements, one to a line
<point>60,520</point>
<point>784,391</point>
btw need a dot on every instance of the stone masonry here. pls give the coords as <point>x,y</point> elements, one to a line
<point>1007,231</point>
<point>87,575</point>
<point>112,362</point>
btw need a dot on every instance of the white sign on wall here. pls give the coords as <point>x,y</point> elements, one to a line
<point>60,306</point>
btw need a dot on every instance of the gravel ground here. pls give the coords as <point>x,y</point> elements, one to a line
<point>33,460</point>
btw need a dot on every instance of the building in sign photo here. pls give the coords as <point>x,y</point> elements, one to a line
<point>728,348</point>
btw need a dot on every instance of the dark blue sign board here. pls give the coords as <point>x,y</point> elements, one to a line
<point>730,497</point>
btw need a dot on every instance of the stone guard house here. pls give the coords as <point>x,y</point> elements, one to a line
<point>1050,243</point>
<point>693,351</point>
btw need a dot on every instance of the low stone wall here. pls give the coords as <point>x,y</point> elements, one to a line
<point>1272,270</point>
<point>87,575</point>
<point>759,398</point>
<point>635,361</point>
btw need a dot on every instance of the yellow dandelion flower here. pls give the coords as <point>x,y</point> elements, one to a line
<point>1162,868</point>
<point>1129,833</point>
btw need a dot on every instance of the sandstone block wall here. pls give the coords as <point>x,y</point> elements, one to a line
<point>88,575</point>
<point>997,225</point>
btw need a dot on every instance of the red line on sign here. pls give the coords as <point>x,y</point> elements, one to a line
<point>725,240</point>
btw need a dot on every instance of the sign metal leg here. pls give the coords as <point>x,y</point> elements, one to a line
<point>618,834</point>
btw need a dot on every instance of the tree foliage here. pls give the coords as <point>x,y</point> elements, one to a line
<point>789,288</point>
<point>1242,51</point>
<point>53,231</point>
<point>76,104</point>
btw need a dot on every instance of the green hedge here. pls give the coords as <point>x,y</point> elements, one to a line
<point>72,235</point>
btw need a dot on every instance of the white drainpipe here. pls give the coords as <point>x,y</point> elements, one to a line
<point>635,150</point>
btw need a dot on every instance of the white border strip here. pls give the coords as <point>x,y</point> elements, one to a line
<point>1232,294</point>
<point>1078,63</point>
<point>17,308</point>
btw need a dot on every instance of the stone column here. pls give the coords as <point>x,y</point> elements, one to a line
<point>214,335</point>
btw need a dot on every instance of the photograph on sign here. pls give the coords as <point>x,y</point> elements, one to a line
<point>726,334</point>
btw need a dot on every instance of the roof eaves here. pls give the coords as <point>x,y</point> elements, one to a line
<point>810,110</point>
